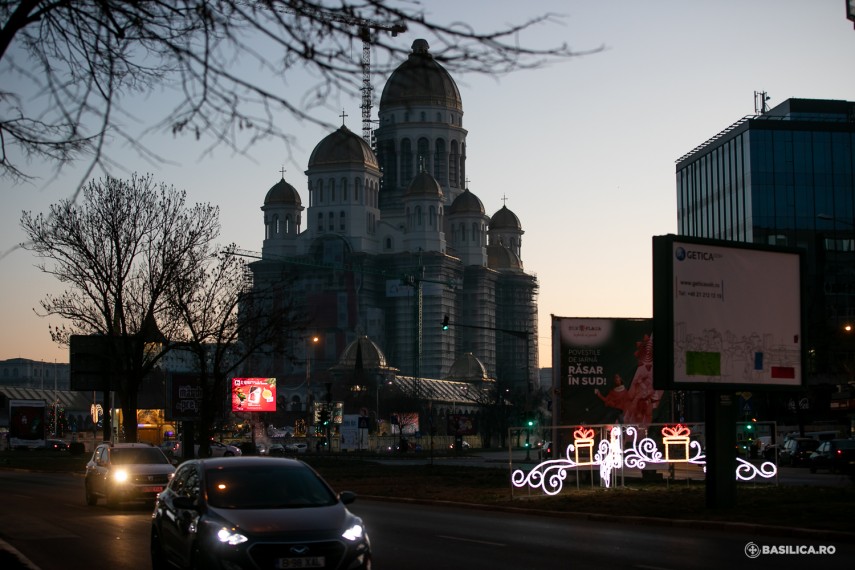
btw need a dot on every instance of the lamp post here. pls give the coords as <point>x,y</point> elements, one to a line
<point>311,341</point>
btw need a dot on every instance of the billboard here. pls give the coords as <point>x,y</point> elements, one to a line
<point>728,315</point>
<point>27,423</point>
<point>253,394</point>
<point>605,371</point>
<point>185,393</point>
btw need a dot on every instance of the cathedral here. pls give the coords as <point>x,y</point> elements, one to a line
<point>391,249</point>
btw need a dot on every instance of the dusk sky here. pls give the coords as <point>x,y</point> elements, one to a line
<point>583,151</point>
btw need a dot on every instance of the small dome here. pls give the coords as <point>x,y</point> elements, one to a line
<point>424,186</point>
<point>504,219</point>
<point>466,203</point>
<point>421,81</point>
<point>372,356</point>
<point>343,148</point>
<point>282,193</point>
<point>500,257</point>
<point>467,368</point>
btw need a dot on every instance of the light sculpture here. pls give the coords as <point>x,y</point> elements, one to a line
<point>612,455</point>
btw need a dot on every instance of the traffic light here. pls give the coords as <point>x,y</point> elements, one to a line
<point>445,323</point>
<point>325,417</point>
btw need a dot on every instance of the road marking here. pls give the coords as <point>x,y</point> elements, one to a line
<point>461,539</point>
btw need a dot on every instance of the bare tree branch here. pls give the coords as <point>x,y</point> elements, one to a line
<point>81,65</point>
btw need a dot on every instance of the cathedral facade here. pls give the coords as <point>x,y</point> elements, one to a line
<point>390,241</point>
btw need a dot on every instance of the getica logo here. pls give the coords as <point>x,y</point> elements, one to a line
<point>680,254</point>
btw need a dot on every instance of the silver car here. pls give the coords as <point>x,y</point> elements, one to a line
<point>126,472</point>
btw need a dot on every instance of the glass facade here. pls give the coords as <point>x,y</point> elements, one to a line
<point>787,178</point>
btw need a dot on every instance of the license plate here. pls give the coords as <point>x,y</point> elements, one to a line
<point>301,562</point>
<point>152,489</point>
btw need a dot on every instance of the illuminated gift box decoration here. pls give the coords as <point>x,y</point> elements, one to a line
<point>583,443</point>
<point>676,440</point>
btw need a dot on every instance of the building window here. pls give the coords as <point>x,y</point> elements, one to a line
<point>453,161</point>
<point>439,171</point>
<point>356,187</point>
<point>341,221</point>
<point>406,162</point>
<point>320,221</point>
<point>332,221</point>
<point>276,224</point>
<point>423,154</point>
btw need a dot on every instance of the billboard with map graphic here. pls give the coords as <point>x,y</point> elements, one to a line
<point>727,315</point>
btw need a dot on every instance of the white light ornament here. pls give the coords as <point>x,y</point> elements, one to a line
<point>611,456</point>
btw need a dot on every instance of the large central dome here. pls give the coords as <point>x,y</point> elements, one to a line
<point>421,81</point>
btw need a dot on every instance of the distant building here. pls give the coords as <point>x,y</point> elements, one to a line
<point>787,177</point>
<point>26,373</point>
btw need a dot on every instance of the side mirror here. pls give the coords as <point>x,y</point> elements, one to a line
<point>185,503</point>
<point>347,497</point>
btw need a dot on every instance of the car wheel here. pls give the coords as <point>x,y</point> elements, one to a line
<point>158,560</point>
<point>91,499</point>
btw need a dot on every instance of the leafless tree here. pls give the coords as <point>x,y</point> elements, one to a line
<point>222,321</point>
<point>119,249</point>
<point>75,70</point>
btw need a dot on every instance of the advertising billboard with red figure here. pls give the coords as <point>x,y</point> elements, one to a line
<point>254,394</point>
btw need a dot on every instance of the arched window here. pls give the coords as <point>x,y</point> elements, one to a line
<point>287,223</point>
<point>357,185</point>
<point>388,243</point>
<point>423,151</point>
<point>332,221</point>
<point>476,233</point>
<point>276,224</point>
<point>267,225</point>
<point>439,117</point>
<point>462,231</point>
<point>439,171</point>
<point>419,216</point>
<point>432,220</point>
<point>341,221</point>
<point>423,116</point>
<point>406,162</point>
<point>319,192</point>
<point>344,189</point>
<point>320,221</point>
<point>453,166</point>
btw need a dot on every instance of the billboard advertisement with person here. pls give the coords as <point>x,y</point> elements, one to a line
<point>605,371</point>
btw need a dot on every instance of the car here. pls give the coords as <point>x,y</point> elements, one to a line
<point>834,455</point>
<point>297,447</point>
<point>120,472</point>
<point>464,445</point>
<point>255,512</point>
<point>56,445</point>
<point>217,449</point>
<point>796,451</point>
<point>546,450</point>
<point>276,449</point>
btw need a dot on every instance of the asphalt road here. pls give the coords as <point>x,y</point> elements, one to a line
<point>45,518</point>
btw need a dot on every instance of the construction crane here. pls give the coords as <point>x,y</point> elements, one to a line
<point>365,29</point>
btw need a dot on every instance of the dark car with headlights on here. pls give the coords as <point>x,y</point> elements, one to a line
<point>255,512</point>
<point>126,472</point>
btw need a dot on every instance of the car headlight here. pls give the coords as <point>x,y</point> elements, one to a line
<point>120,476</point>
<point>354,533</point>
<point>229,536</point>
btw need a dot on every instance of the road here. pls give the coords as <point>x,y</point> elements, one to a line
<point>45,518</point>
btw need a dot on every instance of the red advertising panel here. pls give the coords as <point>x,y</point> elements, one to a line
<point>254,394</point>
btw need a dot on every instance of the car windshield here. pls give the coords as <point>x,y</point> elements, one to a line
<point>266,487</point>
<point>137,455</point>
